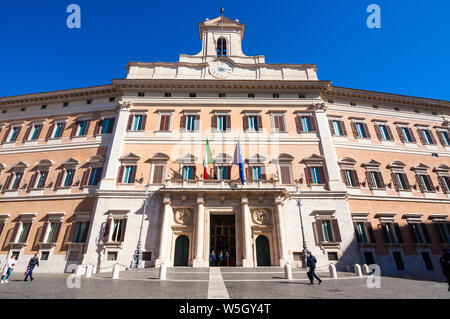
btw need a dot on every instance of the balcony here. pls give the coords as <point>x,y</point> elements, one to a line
<point>222,185</point>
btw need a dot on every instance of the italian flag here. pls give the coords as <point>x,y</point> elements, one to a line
<point>207,159</point>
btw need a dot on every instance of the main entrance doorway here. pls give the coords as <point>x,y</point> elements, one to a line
<point>262,251</point>
<point>223,237</point>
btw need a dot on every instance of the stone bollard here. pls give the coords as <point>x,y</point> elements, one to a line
<point>288,271</point>
<point>89,271</point>
<point>116,271</point>
<point>358,271</point>
<point>79,271</point>
<point>333,272</point>
<point>365,269</point>
<point>163,272</point>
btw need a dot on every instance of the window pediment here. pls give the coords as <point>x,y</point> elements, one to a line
<point>187,159</point>
<point>161,157</point>
<point>19,166</point>
<point>438,169</point>
<point>70,162</point>
<point>420,167</point>
<point>96,159</point>
<point>283,158</point>
<point>371,163</point>
<point>396,164</point>
<point>223,159</point>
<point>44,163</point>
<point>347,161</point>
<point>130,157</point>
<point>257,159</point>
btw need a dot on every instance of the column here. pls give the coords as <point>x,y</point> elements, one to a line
<point>115,147</point>
<point>163,257</point>
<point>281,232</point>
<point>329,152</point>
<point>247,260</point>
<point>199,232</point>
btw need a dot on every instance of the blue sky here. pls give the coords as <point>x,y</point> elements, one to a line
<point>409,55</point>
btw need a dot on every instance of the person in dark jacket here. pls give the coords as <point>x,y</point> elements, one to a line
<point>311,262</point>
<point>227,258</point>
<point>33,263</point>
<point>445,264</point>
<point>212,259</point>
<point>220,259</point>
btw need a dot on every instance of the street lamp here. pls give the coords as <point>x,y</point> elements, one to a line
<point>137,258</point>
<point>299,203</point>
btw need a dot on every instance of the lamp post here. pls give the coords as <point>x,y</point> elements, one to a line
<point>305,247</point>
<point>137,258</point>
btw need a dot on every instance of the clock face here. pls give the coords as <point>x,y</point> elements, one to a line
<point>220,69</point>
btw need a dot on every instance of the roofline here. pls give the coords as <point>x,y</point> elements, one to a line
<point>385,97</point>
<point>50,96</point>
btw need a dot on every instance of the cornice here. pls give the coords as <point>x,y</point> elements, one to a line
<point>334,91</point>
<point>123,84</point>
<point>55,96</point>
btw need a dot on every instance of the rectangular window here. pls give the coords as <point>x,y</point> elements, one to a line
<point>158,174</point>
<point>445,138</point>
<point>279,123</point>
<point>256,173</point>
<point>222,172</point>
<point>306,123</point>
<point>17,179</point>
<point>14,134</point>
<point>384,133</point>
<point>443,235</point>
<point>361,232</point>
<point>69,177</point>
<point>107,126</point>
<point>375,179</point>
<point>285,172</point>
<point>35,133</point>
<point>112,255</point>
<point>221,123</point>
<point>401,181</point>
<point>337,128</point>
<point>417,235</point>
<point>52,232</point>
<point>128,175</point>
<point>406,136</point>
<point>42,178</point>
<point>188,172</point>
<point>427,137</point>
<point>389,233</point>
<point>349,177</point>
<point>45,255</point>
<point>58,130</point>
<point>398,260</point>
<point>95,176</point>
<point>332,256</point>
<point>426,183</point>
<point>360,130</point>
<point>80,232</point>
<point>253,123</point>
<point>315,174</point>
<point>326,229</point>
<point>190,123</point>
<point>164,122</point>
<point>446,183</point>
<point>117,230</point>
<point>137,122</point>
<point>82,125</point>
<point>24,233</point>
<point>427,260</point>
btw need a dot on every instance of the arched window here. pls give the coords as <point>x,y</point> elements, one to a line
<point>221,47</point>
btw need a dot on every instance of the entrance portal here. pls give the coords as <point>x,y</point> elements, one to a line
<point>223,237</point>
<point>262,251</point>
<point>181,251</point>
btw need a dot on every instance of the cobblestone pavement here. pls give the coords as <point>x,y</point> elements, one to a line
<point>188,283</point>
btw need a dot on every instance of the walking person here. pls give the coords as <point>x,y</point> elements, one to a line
<point>8,268</point>
<point>445,264</point>
<point>220,258</point>
<point>311,262</point>
<point>227,258</point>
<point>33,263</point>
<point>212,259</point>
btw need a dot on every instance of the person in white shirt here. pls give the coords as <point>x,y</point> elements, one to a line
<point>8,268</point>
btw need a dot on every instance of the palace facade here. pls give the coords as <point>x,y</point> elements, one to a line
<point>360,176</point>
